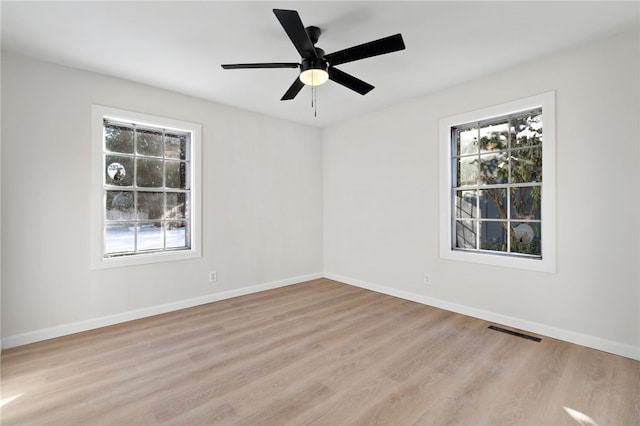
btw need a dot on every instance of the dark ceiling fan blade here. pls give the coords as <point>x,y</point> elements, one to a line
<point>292,24</point>
<point>349,81</point>
<point>373,48</point>
<point>293,90</point>
<point>262,65</point>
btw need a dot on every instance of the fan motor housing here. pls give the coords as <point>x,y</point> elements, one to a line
<point>314,64</point>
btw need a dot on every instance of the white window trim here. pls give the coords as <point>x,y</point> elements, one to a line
<point>548,208</point>
<point>99,261</point>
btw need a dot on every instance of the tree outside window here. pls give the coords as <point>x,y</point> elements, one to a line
<point>497,184</point>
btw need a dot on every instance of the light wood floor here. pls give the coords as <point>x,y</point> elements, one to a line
<point>320,353</point>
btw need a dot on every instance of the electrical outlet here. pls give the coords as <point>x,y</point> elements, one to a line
<point>213,276</point>
<point>427,279</point>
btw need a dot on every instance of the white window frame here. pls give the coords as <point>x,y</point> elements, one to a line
<point>99,261</point>
<point>548,194</point>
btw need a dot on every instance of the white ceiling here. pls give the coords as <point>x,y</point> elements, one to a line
<point>180,45</point>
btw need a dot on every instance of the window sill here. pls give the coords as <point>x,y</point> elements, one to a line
<point>504,261</point>
<point>143,259</point>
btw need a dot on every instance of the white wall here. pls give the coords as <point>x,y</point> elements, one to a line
<point>283,201</point>
<point>262,204</point>
<point>381,201</point>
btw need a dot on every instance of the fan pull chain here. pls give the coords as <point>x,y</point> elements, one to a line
<point>314,99</point>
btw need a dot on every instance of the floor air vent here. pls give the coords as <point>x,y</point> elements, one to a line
<point>514,333</point>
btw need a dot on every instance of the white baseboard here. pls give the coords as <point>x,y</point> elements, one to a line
<point>617,348</point>
<point>605,345</point>
<point>93,323</point>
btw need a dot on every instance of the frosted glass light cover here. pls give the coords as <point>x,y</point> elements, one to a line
<point>314,77</point>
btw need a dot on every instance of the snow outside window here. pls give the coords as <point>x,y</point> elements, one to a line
<point>146,181</point>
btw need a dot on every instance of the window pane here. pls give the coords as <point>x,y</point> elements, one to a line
<point>175,206</point>
<point>119,238</point>
<point>525,238</point>
<point>494,136</point>
<point>467,141</point>
<point>526,165</point>
<point>175,146</point>
<point>455,172</point>
<point>493,168</point>
<point>493,203</point>
<point>526,130</point>
<point>145,189</point>
<point>149,172</point>
<point>466,234</point>
<point>175,174</point>
<point>150,236</point>
<point>118,170</point>
<point>176,234</point>
<point>149,142</point>
<point>466,204</point>
<point>525,203</point>
<point>119,205</point>
<point>150,205</point>
<point>467,171</point>
<point>493,236</point>
<point>118,138</point>
<point>495,184</point>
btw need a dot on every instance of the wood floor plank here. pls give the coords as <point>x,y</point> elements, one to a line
<point>316,353</point>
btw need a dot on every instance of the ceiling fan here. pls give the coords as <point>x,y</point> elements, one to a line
<point>316,67</point>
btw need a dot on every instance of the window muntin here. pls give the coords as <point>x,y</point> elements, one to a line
<point>497,180</point>
<point>497,186</point>
<point>147,188</point>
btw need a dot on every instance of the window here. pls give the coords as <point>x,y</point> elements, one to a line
<point>146,184</point>
<point>497,177</point>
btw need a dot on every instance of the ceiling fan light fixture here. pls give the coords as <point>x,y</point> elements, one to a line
<point>314,68</point>
<point>314,72</point>
<point>314,77</point>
